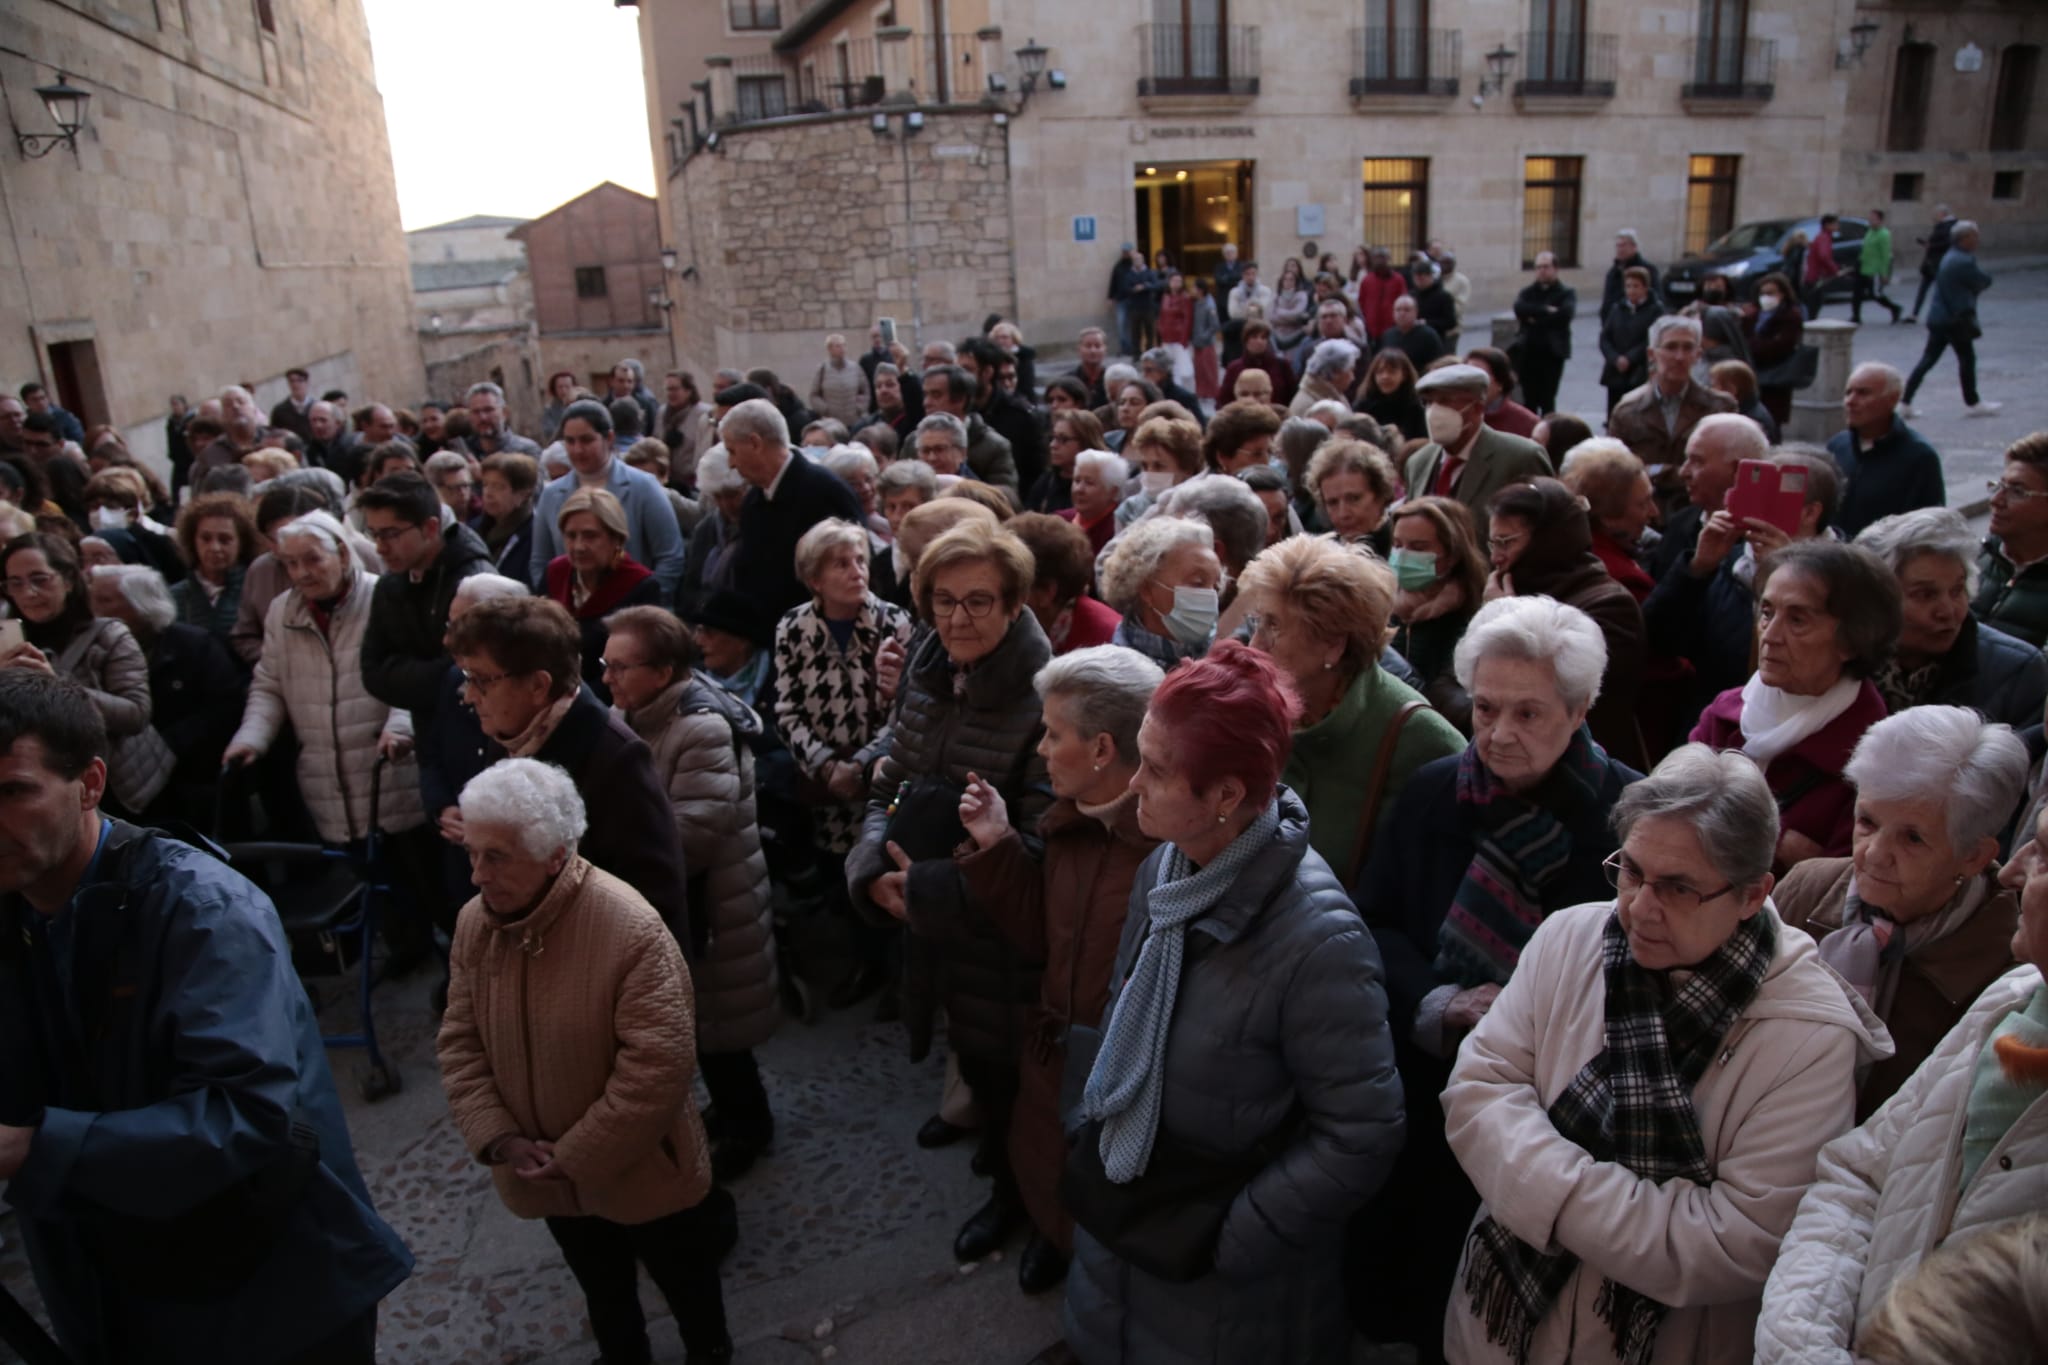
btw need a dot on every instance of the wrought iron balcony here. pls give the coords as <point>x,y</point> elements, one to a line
<point>1404,61</point>
<point>1567,65</point>
<point>1198,59</point>
<point>1736,69</point>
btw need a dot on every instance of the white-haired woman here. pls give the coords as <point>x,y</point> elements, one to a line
<point>1163,577</point>
<point>1641,1106</point>
<point>834,720</point>
<point>1327,376</point>
<point>1482,847</point>
<point>857,469</point>
<point>310,674</point>
<point>567,1053</point>
<point>1098,487</point>
<point>1915,919</point>
<point>1956,1158</point>
<point>1945,655</point>
<point>708,564</point>
<point>1064,906</point>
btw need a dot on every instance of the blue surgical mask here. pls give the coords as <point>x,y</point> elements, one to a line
<point>1414,570</point>
<point>1193,618</point>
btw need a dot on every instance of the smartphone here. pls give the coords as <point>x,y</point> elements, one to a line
<point>1769,492</point>
<point>10,635</point>
<point>887,327</point>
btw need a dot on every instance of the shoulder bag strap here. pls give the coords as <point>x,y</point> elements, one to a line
<point>1382,769</point>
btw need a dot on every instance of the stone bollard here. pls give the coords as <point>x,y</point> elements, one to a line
<point>1817,408</point>
<point>1505,325</point>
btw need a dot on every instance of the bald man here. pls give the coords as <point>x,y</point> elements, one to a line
<point>1886,464</point>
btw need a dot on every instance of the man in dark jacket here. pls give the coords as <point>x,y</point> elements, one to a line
<point>290,412</point>
<point>1007,415</point>
<point>404,660</point>
<point>170,1133</point>
<point>789,496</point>
<point>1937,243</point>
<point>1625,337</point>
<point>334,444</point>
<point>1887,465</point>
<point>950,389</point>
<point>1627,257</point>
<point>1434,304</point>
<point>1156,365</point>
<point>1544,309</point>
<point>1123,289</point>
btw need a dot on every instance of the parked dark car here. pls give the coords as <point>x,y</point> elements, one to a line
<point>1747,253</point>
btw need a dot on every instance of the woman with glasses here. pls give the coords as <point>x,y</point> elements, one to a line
<point>594,576</point>
<point>1641,1106</point>
<point>2012,592</point>
<point>1072,432</point>
<point>1482,847</point>
<point>966,710</point>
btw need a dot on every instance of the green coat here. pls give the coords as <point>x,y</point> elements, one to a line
<point>1875,259</point>
<point>2014,603</point>
<point>1332,762</point>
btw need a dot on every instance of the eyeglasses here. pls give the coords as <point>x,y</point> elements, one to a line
<point>35,582</point>
<point>2011,491</point>
<point>481,682</point>
<point>975,604</point>
<point>1498,543</point>
<point>388,534</point>
<point>1676,896</point>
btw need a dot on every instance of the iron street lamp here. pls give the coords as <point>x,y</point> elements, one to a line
<point>1498,63</point>
<point>65,103</point>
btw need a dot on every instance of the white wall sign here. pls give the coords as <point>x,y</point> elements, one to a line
<point>1969,58</point>
<point>1308,220</point>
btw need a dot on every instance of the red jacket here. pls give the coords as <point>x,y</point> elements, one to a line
<point>1376,295</point>
<point>1825,808</point>
<point>1276,367</point>
<point>1820,259</point>
<point>1176,319</point>
<point>1094,623</point>
<point>1514,419</point>
<point>1621,565</point>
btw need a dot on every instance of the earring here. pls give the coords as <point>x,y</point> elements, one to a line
<point>1221,819</point>
<point>1098,767</point>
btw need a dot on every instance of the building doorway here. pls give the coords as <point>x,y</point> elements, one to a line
<point>75,376</point>
<point>1189,209</point>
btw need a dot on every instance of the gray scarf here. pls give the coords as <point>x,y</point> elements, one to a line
<point>1129,1080</point>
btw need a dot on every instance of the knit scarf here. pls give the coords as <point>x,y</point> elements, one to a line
<point>1631,1104</point>
<point>1774,721</point>
<point>1523,846</point>
<point>528,742</point>
<point>1129,1080</point>
<point>1870,947</point>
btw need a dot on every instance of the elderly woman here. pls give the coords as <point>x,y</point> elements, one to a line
<point>1945,656</point>
<point>1481,849</point>
<point>508,483</point>
<point>1065,906</point>
<point>217,536</point>
<point>1162,576</point>
<point>45,589</point>
<point>310,674</point>
<point>1914,919</point>
<point>1641,1105</point>
<point>967,710</point>
<point>857,469</point>
<point>1240,436</point>
<point>1321,614</point>
<point>1827,618</point>
<point>1063,572</point>
<point>1439,581</point>
<point>1071,432</point>
<point>595,576</point>
<point>567,1056</point>
<point>1299,440</point>
<point>1097,494</point>
<point>707,564</point>
<point>1218,1068</point>
<point>1956,1155</point>
<point>118,500</point>
<point>1354,484</point>
<point>1326,377</point>
<point>1388,394</point>
<point>1620,505</point>
<point>700,735</point>
<point>833,718</point>
<point>1165,451</point>
<point>1541,540</point>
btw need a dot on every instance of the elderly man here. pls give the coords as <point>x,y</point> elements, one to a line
<point>1887,465</point>
<point>653,536</point>
<point>628,379</point>
<point>940,440</point>
<point>1544,309</point>
<point>840,388</point>
<point>486,404</point>
<point>1412,337</point>
<point>380,424</point>
<point>790,495</point>
<point>1657,419</point>
<point>243,432</point>
<point>13,420</point>
<point>1333,321</point>
<point>1332,370</point>
<point>290,412</point>
<point>1156,365</point>
<point>331,444</point>
<point>1952,320</point>
<point>1466,459</point>
<point>950,389</point>
<point>1627,256</point>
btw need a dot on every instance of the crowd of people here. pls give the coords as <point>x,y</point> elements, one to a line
<point>1376,857</point>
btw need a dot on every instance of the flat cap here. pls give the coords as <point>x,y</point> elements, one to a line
<point>1452,379</point>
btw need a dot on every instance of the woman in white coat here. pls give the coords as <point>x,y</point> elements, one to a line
<point>1962,1147</point>
<point>1641,1105</point>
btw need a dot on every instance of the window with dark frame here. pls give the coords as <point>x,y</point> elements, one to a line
<point>1724,25</point>
<point>1912,85</point>
<point>762,97</point>
<point>1906,187</point>
<point>1397,204</point>
<point>754,14</point>
<point>1397,40</point>
<point>590,282</point>
<point>1556,42</point>
<point>1550,208</point>
<point>2014,102</point>
<point>266,16</point>
<point>2006,184</point>
<point>1709,199</point>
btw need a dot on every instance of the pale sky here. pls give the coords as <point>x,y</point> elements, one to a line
<point>509,106</point>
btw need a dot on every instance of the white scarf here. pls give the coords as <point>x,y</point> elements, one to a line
<point>1774,720</point>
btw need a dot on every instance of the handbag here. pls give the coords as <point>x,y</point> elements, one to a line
<point>1795,371</point>
<point>1376,788</point>
<point>924,819</point>
<point>1965,329</point>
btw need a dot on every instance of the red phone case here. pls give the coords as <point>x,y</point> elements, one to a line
<point>1769,492</point>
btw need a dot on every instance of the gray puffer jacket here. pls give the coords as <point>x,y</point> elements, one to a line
<point>699,734</point>
<point>105,659</point>
<point>990,726</point>
<point>1280,1001</point>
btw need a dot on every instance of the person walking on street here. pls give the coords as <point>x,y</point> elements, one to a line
<point>1874,270</point>
<point>1937,242</point>
<point>1952,321</point>
<point>1821,265</point>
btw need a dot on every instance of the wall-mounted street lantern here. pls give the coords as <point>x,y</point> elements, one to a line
<point>1861,34</point>
<point>1499,62</point>
<point>65,103</point>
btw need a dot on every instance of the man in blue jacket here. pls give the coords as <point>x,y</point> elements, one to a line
<point>170,1133</point>
<point>1952,320</point>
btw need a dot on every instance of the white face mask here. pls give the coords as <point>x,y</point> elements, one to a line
<point>1766,302</point>
<point>1155,481</point>
<point>109,519</point>
<point>1445,425</point>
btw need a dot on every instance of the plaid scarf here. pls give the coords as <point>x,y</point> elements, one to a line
<point>1631,1104</point>
<point>1523,846</point>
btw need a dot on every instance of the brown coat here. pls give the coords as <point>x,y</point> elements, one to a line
<point>1067,912</point>
<point>1937,985</point>
<point>1638,423</point>
<point>575,1025</point>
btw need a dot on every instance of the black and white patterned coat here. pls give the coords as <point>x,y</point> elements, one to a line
<point>828,708</point>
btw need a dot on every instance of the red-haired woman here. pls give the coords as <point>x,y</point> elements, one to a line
<point>1247,1040</point>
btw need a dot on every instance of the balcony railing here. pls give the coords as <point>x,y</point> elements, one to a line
<point>1404,61</point>
<point>1198,59</point>
<point>1733,69</point>
<point>946,68</point>
<point>1567,66</point>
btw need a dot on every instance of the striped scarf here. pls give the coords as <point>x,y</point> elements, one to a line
<point>1523,846</point>
<point>1631,1104</point>
<point>1128,1083</point>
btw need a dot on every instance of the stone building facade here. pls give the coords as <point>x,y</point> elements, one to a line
<point>230,211</point>
<point>598,284</point>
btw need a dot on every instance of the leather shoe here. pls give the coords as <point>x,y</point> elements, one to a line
<point>989,1227</point>
<point>939,1133</point>
<point>1042,1265</point>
